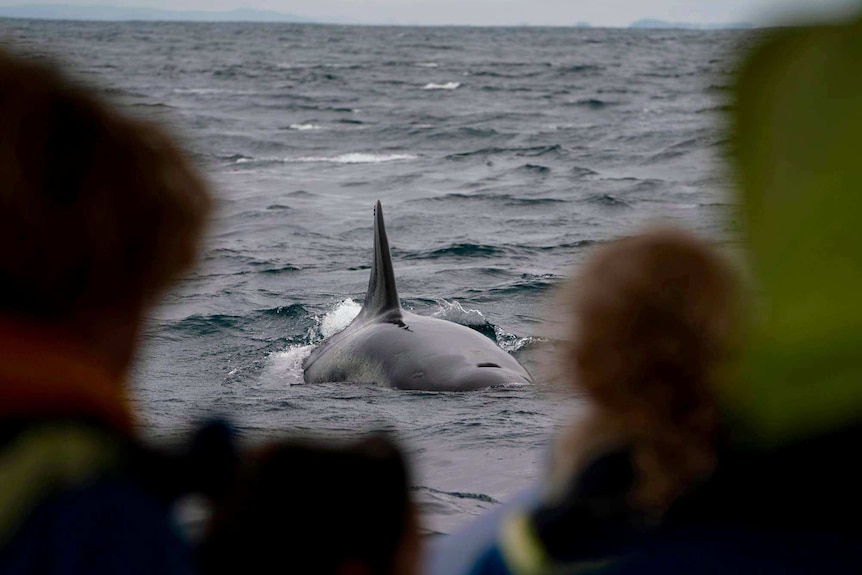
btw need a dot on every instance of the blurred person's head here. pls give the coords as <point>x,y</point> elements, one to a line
<point>795,140</point>
<point>317,509</point>
<point>99,212</point>
<point>653,320</point>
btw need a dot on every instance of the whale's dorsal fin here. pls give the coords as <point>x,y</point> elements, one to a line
<point>382,296</point>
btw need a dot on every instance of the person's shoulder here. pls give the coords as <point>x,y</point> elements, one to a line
<point>73,503</point>
<point>111,525</point>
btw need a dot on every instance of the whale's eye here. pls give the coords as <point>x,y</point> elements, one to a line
<point>487,365</point>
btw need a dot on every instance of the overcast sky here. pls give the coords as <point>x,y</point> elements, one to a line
<point>495,12</point>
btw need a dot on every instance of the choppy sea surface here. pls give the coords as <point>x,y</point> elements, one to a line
<point>501,157</point>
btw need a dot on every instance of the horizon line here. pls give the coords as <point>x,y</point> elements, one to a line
<point>276,17</point>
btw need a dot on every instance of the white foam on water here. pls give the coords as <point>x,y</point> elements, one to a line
<point>304,127</point>
<point>355,158</point>
<point>286,366</point>
<point>445,86</point>
<point>455,312</point>
<point>427,64</point>
<point>513,344</point>
<point>212,91</point>
<point>246,160</point>
<point>340,317</point>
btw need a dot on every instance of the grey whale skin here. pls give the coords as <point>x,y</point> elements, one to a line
<point>391,347</point>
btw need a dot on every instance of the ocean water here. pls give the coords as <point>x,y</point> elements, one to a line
<point>501,157</point>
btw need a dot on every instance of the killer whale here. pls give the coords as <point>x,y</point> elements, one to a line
<point>389,346</point>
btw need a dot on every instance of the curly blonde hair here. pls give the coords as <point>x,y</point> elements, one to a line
<point>654,319</point>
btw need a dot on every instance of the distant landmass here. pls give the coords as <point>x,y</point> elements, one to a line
<point>117,13</point>
<point>687,25</point>
<point>124,13</point>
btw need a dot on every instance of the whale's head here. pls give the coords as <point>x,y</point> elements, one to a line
<point>445,356</point>
<point>485,374</point>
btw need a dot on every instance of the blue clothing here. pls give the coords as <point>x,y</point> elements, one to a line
<point>111,526</point>
<point>78,498</point>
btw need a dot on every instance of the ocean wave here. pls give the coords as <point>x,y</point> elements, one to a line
<point>304,127</point>
<point>508,89</point>
<point>528,283</point>
<point>638,185</point>
<point>580,69</point>
<point>453,311</point>
<point>285,366</point>
<point>444,86</point>
<point>683,147</point>
<point>518,201</point>
<point>458,133</point>
<point>151,105</point>
<point>509,200</point>
<point>350,158</point>
<point>339,317</point>
<point>530,151</point>
<point>566,246</point>
<point>455,494</point>
<point>460,250</point>
<point>285,311</point>
<point>213,92</point>
<point>430,46</point>
<point>240,159</point>
<point>295,106</point>
<point>302,194</point>
<point>591,103</point>
<point>236,158</point>
<point>606,200</point>
<point>515,344</point>
<point>580,172</point>
<point>269,269</point>
<point>353,158</point>
<point>536,151</point>
<point>491,74</point>
<point>535,169</point>
<point>200,325</point>
<point>317,66</point>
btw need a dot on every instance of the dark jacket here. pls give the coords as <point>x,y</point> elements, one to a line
<point>791,509</point>
<point>76,498</point>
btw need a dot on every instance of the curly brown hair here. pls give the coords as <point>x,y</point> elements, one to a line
<point>654,319</point>
<point>99,212</point>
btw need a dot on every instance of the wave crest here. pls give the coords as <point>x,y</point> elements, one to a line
<point>444,86</point>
